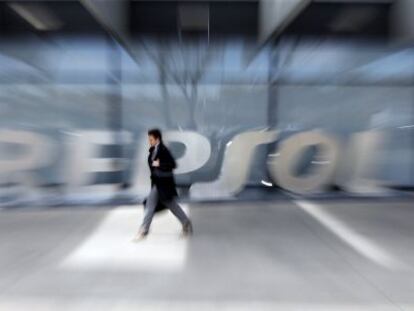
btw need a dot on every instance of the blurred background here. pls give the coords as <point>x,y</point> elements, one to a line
<point>292,122</point>
<point>216,68</point>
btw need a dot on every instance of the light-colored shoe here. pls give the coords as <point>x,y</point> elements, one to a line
<point>141,235</point>
<point>188,229</point>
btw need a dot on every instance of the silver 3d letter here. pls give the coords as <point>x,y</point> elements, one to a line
<point>83,157</point>
<point>236,165</point>
<point>281,167</point>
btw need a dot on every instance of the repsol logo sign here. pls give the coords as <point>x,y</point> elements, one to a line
<point>345,164</point>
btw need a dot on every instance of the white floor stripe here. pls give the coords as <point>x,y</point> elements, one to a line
<point>110,246</point>
<point>358,242</point>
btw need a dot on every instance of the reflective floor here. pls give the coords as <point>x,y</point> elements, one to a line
<point>280,255</point>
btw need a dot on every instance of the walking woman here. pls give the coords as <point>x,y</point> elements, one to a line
<point>163,190</point>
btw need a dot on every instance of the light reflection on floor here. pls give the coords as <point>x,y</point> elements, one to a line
<point>111,245</point>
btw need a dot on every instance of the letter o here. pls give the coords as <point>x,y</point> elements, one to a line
<point>281,166</point>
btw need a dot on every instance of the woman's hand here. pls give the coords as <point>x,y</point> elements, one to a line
<point>156,163</point>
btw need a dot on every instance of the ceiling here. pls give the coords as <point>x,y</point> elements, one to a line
<point>343,19</point>
<point>195,18</point>
<point>22,17</point>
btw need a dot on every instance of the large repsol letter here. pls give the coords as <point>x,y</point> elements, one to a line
<point>282,167</point>
<point>37,151</point>
<point>236,166</point>
<point>84,160</point>
<point>358,170</point>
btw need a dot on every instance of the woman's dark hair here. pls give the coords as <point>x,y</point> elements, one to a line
<point>156,133</point>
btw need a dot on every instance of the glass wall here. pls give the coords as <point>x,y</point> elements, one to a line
<point>60,87</point>
<point>349,87</point>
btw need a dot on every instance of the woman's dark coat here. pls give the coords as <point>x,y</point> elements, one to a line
<point>162,177</point>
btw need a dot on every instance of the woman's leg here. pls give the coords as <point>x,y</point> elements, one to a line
<point>177,211</point>
<point>149,210</point>
<point>180,214</point>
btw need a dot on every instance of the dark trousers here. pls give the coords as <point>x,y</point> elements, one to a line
<point>172,205</point>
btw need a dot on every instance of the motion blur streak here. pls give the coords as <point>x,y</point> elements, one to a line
<point>355,240</point>
<point>292,126</point>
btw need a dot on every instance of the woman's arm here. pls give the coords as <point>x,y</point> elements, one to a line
<point>166,161</point>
